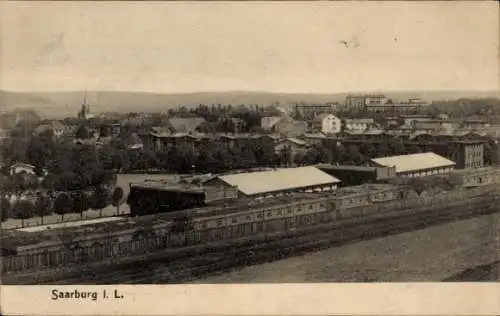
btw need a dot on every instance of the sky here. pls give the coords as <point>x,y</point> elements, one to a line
<point>297,47</point>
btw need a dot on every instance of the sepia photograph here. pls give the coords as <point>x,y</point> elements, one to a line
<point>195,143</point>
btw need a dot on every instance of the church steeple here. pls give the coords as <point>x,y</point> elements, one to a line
<point>85,109</point>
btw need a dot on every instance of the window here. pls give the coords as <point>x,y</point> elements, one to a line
<point>269,213</point>
<point>233,220</point>
<point>249,218</point>
<point>310,207</point>
<point>279,213</point>
<point>219,222</point>
<point>299,209</point>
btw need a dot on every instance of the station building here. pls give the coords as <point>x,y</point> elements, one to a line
<point>417,165</point>
<point>158,197</point>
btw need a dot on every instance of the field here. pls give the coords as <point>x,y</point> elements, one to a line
<point>433,253</point>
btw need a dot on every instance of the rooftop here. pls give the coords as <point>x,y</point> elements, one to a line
<point>280,180</point>
<point>414,162</point>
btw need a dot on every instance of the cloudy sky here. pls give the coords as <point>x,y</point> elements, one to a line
<point>279,47</point>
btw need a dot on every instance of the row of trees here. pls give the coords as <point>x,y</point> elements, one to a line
<point>351,154</point>
<point>64,203</point>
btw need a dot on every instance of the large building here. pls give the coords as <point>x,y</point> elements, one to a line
<point>354,102</point>
<point>288,148</point>
<point>417,165</point>
<point>466,150</point>
<point>279,182</point>
<point>157,196</point>
<point>410,106</point>
<point>310,111</point>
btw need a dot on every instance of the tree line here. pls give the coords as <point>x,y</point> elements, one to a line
<point>60,203</point>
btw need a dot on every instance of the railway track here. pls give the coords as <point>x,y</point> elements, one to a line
<point>220,260</point>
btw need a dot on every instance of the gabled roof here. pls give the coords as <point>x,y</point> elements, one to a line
<point>185,125</point>
<point>22,165</point>
<point>280,180</point>
<point>414,162</point>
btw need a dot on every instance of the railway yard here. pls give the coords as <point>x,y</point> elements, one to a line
<point>194,266</point>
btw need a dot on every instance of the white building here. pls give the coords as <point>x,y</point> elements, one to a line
<point>359,125</point>
<point>417,165</point>
<point>328,123</point>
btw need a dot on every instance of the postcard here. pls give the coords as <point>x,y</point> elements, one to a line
<point>249,158</point>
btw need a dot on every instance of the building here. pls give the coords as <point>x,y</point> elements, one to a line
<point>374,99</point>
<point>454,146</point>
<point>238,125</point>
<point>474,124</point>
<point>310,111</point>
<point>359,125</point>
<point>268,122</point>
<point>354,102</point>
<point>288,148</point>
<point>470,154</point>
<point>410,106</point>
<point>157,196</point>
<point>417,165</point>
<point>425,126</point>
<point>21,168</point>
<point>357,175</point>
<point>280,182</point>
<point>326,123</point>
<point>290,128</point>
<point>186,125</point>
<point>56,127</point>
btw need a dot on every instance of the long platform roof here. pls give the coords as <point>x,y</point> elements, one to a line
<point>253,183</point>
<point>414,162</point>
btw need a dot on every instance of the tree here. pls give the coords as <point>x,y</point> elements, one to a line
<point>82,132</point>
<point>397,148</point>
<point>42,207</point>
<point>354,155</point>
<point>383,149</point>
<point>23,209</point>
<point>79,203</point>
<point>4,208</point>
<point>339,154</point>
<point>62,205</point>
<point>117,198</point>
<point>99,199</point>
<point>367,150</point>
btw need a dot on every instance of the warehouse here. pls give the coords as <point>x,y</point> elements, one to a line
<point>156,197</point>
<point>280,182</point>
<point>417,165</point>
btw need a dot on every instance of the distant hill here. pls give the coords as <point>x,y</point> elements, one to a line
<point>61,104</point>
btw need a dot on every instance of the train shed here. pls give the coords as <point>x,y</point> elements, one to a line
<point>279,182</point>
<point>417,165</point>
